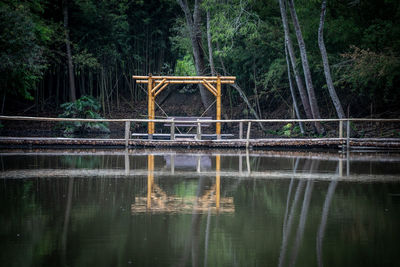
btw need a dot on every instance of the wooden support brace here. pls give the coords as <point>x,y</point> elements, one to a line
<point>158,85</point>
<point>209,88</point>
<point>161,89</point>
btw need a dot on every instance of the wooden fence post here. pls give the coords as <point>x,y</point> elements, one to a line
<point>348,134</point>
<point>241,130</point>
<point>127,132</point>
<point>198,129</point>
<point>172,129</point>
<point>248,134</point>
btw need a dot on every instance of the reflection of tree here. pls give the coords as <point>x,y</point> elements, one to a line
<point>66,221</point>
<point>288,221</point>
<point>324,218</point>
<point>100,218</point>
<point>82,161</point>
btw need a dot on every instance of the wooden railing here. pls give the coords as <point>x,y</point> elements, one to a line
<point>241,123</point>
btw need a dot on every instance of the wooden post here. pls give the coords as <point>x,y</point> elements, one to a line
<point>198,130</point>
<point>217,181</point>
<point>340,129</point>
<point>153,108</point>
<point>218,126</point>
<point>248,134</point>
<point>241,130</point>
<point>173,129</point>
<point>127,133</point>
<point>149,107</point>
<point>348,135</point>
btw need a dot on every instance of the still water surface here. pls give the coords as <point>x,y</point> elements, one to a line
<point>192,208</point>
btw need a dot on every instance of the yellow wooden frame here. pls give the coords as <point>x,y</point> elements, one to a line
<point>156,84</point>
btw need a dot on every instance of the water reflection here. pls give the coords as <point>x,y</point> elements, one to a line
<point>206,200</point>
<point>152,208</point>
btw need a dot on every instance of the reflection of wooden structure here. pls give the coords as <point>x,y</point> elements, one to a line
<point>158,201</point>
<point>156,84</point>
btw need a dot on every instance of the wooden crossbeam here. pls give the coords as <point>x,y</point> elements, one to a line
<point>188,81</point>
<point>136,77</point>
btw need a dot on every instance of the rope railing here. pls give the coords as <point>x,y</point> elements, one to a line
<point>198,136</point>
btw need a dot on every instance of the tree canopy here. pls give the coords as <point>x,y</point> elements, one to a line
<point>112,40</point>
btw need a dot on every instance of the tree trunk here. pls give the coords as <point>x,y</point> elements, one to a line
<point>306,67</point>
<point>210,50</point>
<point>194,26</point>
<point>299,81</point>
<point>242,94</point>
<point>72,90</point>
<point>327,71</point>
<point>296,109</point>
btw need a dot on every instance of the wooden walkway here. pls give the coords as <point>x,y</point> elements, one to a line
<point>242,139</point>
<point>327,143</point>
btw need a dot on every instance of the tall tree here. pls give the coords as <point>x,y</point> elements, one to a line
<point>209,42</point>
<point>306,67</point>
<point>299,80</point>
<point>292,92</point>
<point>72,90</point>
<point>193,22</point>
<point>327,71</point>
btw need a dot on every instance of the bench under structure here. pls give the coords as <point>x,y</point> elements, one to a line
<point>185,122</point>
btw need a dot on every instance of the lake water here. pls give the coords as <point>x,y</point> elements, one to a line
<point>199,208</point>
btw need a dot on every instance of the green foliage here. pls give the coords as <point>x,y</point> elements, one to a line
<point>368,71</point>
<point>22,40</point>
<point>288,130</point>
<point>85,107</point>
<point>185,66</point>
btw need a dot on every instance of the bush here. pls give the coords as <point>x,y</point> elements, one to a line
<point>85,107</point>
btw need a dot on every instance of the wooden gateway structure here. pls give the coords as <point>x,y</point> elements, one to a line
<point>156,84</point>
